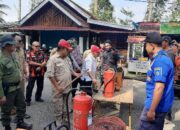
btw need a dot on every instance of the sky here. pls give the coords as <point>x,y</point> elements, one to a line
<point>138,8</point>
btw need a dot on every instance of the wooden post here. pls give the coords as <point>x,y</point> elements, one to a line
<point>81,44</point>
<point>27,42</point>
<point>87,42</point>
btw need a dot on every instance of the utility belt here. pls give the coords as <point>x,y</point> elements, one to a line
<point>6,86</point>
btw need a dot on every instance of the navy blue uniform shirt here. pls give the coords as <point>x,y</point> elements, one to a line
<point>161,70</point>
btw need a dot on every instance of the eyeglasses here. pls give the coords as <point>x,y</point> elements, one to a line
<point>20,41</point>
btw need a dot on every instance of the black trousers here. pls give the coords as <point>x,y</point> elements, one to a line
<point>86,86</point>
<point>40,84</point>
<point>74,85</point>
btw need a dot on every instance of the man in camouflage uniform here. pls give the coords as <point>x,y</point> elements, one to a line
<point>10,93</point>
<point>59,71</point>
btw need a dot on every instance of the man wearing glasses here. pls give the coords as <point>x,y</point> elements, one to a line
<point>37,61</point>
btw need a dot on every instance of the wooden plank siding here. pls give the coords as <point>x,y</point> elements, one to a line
<point>49,15</point>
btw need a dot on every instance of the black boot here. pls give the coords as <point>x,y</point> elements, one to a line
<point>8,127</point>
<point>169,116</point>
<point>23,125</point>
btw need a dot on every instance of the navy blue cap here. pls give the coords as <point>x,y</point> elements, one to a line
<point>7,39</point>
<point>153,37</point>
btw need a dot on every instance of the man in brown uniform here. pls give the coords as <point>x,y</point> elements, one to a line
<point>59,71</point>
<point>20,56</point>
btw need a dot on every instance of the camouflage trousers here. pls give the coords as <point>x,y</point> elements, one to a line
<point>59,102</point>
<point>15,98</point>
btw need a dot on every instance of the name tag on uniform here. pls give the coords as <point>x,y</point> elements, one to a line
<point>158,71</point>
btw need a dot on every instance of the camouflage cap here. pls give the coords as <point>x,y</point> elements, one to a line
<point>73,42</point>
<point>7,39</point>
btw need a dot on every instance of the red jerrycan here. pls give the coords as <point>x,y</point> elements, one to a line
<point>82,106</point>
<point>109,83</point>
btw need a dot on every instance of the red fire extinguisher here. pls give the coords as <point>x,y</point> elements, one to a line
<point>109,83</point>
<point>82,106</point>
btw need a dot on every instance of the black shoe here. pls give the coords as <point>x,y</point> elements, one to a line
<point>169,117</point>
<point>8,127</point>
<point>26,116</point>
<point>39,100</point>
<point>28,104</point>
<point>23,125</point>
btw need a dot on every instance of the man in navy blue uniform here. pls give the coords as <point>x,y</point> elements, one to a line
<point>159,85</point>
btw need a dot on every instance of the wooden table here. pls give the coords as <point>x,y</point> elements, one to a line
<point>124,96</point>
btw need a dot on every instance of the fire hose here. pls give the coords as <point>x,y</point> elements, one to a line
<point>62,126</point>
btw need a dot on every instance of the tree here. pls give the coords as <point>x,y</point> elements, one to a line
<point>128,14</point>
<point>175,11</point>
<point>155,10</point>
<point>2,7</point>
<point>103,10</point>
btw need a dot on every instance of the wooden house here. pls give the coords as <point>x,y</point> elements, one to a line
<point>53,20</point>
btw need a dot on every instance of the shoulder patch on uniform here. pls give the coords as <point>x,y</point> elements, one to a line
<point>158,71</point>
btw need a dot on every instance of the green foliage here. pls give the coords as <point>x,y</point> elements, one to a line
<point>2,7</point>
<point>157,10</point>
<point>175,11</point>
<point>104,10</point>
<point>128,14</point>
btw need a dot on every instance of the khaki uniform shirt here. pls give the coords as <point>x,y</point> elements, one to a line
<point>60,69</point>
<point>9,72</point>
<point>21,59</point>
